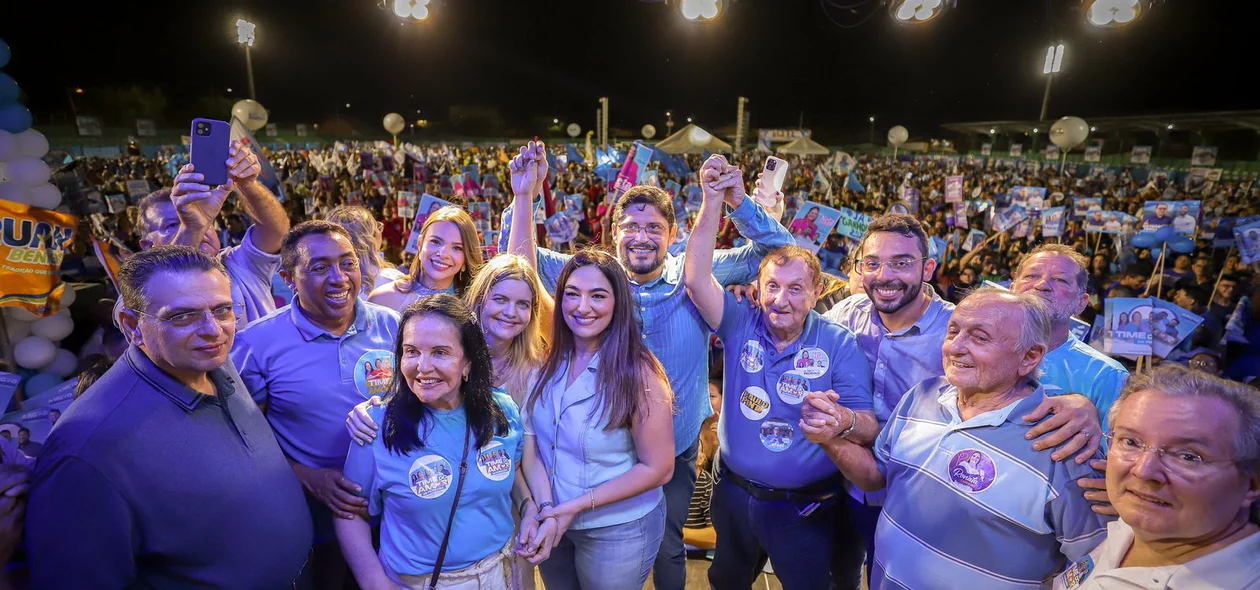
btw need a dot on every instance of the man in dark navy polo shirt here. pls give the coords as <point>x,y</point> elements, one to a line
<point>164,473</point>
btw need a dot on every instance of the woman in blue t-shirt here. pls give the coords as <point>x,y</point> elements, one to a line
<point>446,435</point>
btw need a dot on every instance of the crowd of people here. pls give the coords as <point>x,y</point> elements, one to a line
<point>903,404</point>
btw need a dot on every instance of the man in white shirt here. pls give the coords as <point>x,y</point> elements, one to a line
<point>1186,489</point>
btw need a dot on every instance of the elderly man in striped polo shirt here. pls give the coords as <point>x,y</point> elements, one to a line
<point>970,503</point>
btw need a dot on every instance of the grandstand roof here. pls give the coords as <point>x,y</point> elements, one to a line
<point>1213,121</point>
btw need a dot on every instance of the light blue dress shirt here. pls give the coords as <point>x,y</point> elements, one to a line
<point>310,379</point>
<point>1075,367</point>
<point>672,326</point>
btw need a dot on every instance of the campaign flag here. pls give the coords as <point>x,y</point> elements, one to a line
<point>986,149</point>
<point>673,188</point>
<point>268,174</point>
<point>1181,216</point>
<point>1093,153</point>
<point>39,413</point>
<point>1170,324</point>
<point>974,238</point>
<point>1006,219</point>
<point>960,215</point>
<point>1017,150</point>
<point>1081,206</point>
<point>1128,326</point>
<point>1247,238</point>
<point>428,204</point>
<point>852,224</point>
<point>1052,222</point>
<point>574,206</point>
<point>812,224</point>
<point>1080,329</point>
<point>137,188</point>
<point>35,242</point>
<point>561,228</point>
<point>574,156</point>
<point>1224,237</point>
<point>853,184</point>
<point>1203,156</point>
<point>1052,152</point>
<point>911,198</point>
<point>479,210</point>
<point>407,202</point>
<point>1141,154</point>
<point>953,189</point>
<point>630,174</point>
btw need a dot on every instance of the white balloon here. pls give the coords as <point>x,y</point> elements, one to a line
<point>649,131</point>
<point>54,327</point>
<point>68,295</point>
<point>27,171</point>
<point>700,137</point>
<point>573,130</point>
<point>32,143</point>
<point>17,329</point>
<point>9,147</point>
<point>251,113</point>
<point>12,192</point>
<point>34,352</point>
<point>64,364</point>
<point>394,123</point>
<point>1069,132</point>
<point>898,135</point>
<point>21,315</point>
<point>44,196</point>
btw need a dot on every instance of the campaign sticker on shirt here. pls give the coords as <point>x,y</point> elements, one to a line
<point>792,388</point>
<point>430,476</point>
<point>374,372</point>
<point>1074,576</point>
<point>972,470</point>
<point>754,403</point>
<point>811,362</point>
<point>776,434</point>
<point>750,357</point>
<point>494,462</point>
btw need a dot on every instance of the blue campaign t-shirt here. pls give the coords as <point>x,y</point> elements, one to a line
<point>415,491</point>
<point>764,390</point>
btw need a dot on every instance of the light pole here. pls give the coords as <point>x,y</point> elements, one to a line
<point>739,125</point>
<point>872,140</point>
<point>1054,61</point>
<point>669,123</point>
<point>245,36</point>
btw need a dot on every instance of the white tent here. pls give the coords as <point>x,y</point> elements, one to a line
<point>691,139</point>
<point>804,146</point>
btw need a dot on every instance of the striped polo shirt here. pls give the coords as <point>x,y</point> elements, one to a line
<point>971,504</point>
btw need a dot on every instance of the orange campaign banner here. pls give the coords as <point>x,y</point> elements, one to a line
<point>32,244</point>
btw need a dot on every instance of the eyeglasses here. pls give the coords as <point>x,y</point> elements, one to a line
<point>872,266</point>
<point>633,229</point>
<point>1204,365</point>
<point>221,314</point>
<point>1179,461</point>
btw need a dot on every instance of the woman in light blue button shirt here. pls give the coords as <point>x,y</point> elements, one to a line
<point>600,421</point>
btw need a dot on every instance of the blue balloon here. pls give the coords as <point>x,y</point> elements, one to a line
<point>4,53</point>
<point>8,88</point>
<point>1181,245</point>
<point>14,118</point>
<point>1164,234</point>
<point>41,382</point>
<point>1143,240</point>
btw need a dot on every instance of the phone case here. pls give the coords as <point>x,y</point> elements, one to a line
<point>209,153</point>
<point>776,171</point>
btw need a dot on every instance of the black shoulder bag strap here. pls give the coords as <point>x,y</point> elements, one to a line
<point>450,521</point>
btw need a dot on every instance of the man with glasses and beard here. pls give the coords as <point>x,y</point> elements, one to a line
<point>900,323</point>
<point>643,228</point>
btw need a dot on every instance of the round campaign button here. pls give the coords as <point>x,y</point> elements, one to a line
<point>430,476</point>
<point>494,462</point>
<point>750,357</point>
<point>776,434</point>
<point>754,403</point>
<point>972,470</point>
<point>374,372</point>
<point>792,388</point>
<point>811,362</point>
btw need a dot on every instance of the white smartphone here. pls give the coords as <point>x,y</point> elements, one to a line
<point>774,172</point>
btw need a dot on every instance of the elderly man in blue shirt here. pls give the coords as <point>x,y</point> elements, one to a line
<point>643,228</point>
<point>164,474</point>
<point>970,504</point>
<point>779,495</point>
<point>901,324</point>
<point>184,215</point>
<point>308,364</point>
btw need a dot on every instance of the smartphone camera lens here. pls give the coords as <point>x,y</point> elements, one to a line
<point>203,129</point>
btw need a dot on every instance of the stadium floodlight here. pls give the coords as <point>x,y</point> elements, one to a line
<point>700,10</point>
<point>1113,14</point>
<point>413,9</point>
<point>916,11</point>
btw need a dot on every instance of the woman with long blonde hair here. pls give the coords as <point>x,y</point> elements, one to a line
<point>365,235</point>
<point>448,257</point>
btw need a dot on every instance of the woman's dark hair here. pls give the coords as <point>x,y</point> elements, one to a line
<point>405,413</point>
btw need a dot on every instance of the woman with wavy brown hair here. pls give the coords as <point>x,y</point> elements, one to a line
<point>448,257</point>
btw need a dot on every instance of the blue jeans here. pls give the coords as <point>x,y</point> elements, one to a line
<point>614,557</point>
<point>670,570</point>
<point>855,544</point>
<point>750,530</point>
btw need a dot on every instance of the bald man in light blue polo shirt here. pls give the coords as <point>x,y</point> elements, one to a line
<point>779,495</point>
<point>308,363</point>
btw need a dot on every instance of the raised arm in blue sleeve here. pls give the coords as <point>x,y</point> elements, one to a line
<point>738,266</point>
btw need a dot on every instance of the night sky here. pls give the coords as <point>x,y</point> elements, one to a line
<point>554,58</point>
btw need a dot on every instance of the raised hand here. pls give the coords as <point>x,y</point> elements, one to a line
<point>243,165</point>
<point>772,202</point>
<point>529,169</point>
<point>197,204</point>
<point>709,175</point>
